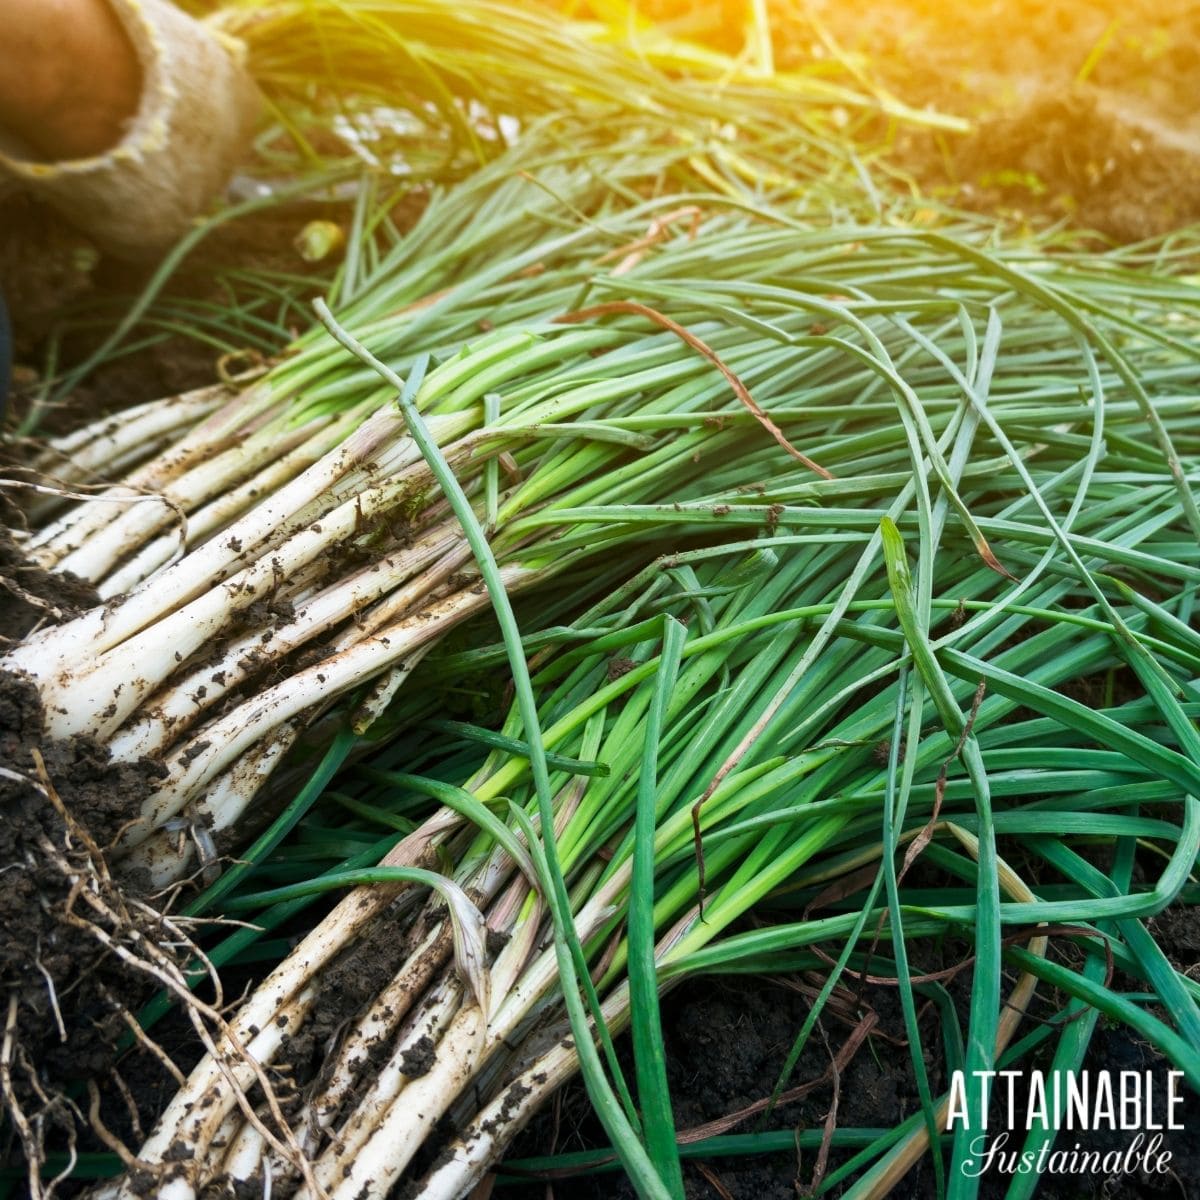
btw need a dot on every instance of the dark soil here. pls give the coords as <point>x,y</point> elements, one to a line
<point>727,1040</point>
<point>29,595</point>
<point>53,965</point>
<point>1081,109</point>
<point>1077,154</point>
<point>57,283</point>
<point>47,270</point>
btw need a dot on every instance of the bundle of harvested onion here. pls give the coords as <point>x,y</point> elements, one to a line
<point>735,751</point>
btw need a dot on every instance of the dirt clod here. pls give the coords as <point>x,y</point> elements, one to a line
<point>419,1058</point>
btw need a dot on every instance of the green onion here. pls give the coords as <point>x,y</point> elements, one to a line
<point>802,805</point>
<point>319,508</point>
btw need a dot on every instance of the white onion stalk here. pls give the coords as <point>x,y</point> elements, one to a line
<point>164,438</point>
<point>202,1108</point>
<point>393,1117</point>
<point>479,1144</point>
<point>115,443</point>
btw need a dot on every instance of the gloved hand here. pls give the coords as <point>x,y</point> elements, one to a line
<point>187,128</point>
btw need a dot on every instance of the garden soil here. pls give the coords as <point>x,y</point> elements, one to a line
<point>1082,113</point>
<point>1080,110</point>
<point>727,1042</point>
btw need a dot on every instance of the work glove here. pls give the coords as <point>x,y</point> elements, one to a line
<point>197,113</point>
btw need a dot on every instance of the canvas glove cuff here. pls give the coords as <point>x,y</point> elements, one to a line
<point>197,113</point>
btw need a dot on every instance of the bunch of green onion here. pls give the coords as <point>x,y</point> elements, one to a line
<point>621,343</point>
<point>451,75</point>
<point>294,547</point>
<point>1019,424</point>
<point>732,758</point>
